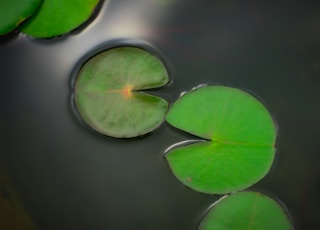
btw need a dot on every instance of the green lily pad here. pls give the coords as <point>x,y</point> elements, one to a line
<point>14,12</point>
<point>240,137</point>
<point>246,210</point>
<point>57,17</point>
<point>108,96</point>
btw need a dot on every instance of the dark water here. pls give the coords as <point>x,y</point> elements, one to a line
<point>70,177</point>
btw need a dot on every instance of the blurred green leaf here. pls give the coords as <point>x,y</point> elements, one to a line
<point>14,12</point>
<point>57,17</point>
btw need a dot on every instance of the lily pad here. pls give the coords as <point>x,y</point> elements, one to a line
<point>239,137</point>
<point>108,92</point>
<point>246,210</point>
<point>14,12</point>
<point>57,17</point>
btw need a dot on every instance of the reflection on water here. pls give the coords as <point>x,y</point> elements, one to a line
<point>193,88</point>
<point>182,143</point>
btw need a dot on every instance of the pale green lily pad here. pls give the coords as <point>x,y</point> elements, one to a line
<point>57,17</point>
<point>240,135</point>
<point>108,96</point>
<point>246,211</point>
<point>14,12</point>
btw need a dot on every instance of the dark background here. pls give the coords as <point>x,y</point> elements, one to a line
<point>69,177</point>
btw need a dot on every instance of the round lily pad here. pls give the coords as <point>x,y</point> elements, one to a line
<point>240,135</point>
<point>246,210</point>
<point>14,12</point>
<point>108,92</point>
<point>57,17</point>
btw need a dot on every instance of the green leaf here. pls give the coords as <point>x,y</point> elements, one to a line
<point>107,92</point>
<point>246,211</point>
<point>57,17</point>
<point>240,135</point>
<point>14,12</point>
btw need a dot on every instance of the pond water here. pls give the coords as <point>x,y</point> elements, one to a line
<point>68,176</point>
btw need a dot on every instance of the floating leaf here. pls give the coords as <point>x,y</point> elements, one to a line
<point>107,92</point>
<point>240,136</point>
<point>14,12</point>
<point>57,17</point>
<point>246,210</point>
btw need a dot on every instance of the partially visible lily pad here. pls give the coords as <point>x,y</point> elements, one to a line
<point>108,92</point>
<point>14,12</point>
<point>246,211</point>
<point>239,137</point>
<point>57,17</point>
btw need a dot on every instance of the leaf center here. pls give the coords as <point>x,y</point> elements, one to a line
<point>126,91</point>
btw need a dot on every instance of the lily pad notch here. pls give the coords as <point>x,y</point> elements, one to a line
<point>46,18</point>
<point>238,140</point>
<point>109,91</point>
<point>14,12</point>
